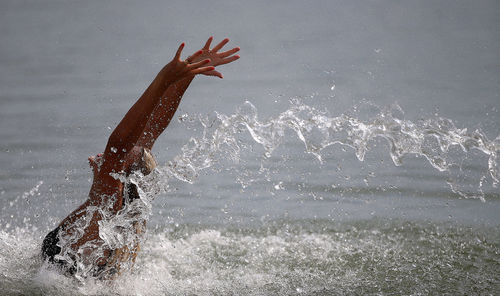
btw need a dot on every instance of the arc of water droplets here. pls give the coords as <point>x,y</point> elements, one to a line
<point>431,138</point>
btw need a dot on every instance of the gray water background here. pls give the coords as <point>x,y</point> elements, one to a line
<point>69,71</point>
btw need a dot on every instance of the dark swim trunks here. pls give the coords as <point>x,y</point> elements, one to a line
<point>50,249</point>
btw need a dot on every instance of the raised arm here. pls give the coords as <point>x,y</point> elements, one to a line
<point>131,127</point>
<point>165,110</point>
<point>128,131</point>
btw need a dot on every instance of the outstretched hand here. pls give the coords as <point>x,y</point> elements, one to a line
<point>215,57</point>
<point>178,69</point>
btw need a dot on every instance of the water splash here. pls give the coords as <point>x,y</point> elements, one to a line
<point>221,139</point>
<point>121,233</point>
<point>432,138</point>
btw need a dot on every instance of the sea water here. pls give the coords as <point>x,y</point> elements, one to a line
<point>353,149</point>
<point>291,254</point>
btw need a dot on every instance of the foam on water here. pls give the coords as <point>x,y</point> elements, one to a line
<point>282,258</point>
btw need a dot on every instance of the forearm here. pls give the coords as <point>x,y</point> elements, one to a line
<point>131,126</point>
<point>163,113</point>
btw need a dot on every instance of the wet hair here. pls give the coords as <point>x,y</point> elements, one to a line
<point>146,165</point>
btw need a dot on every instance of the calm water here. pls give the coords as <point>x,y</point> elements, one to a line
<point>351,150</point>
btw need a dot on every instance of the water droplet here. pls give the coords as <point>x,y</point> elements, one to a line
<point>114,150</point>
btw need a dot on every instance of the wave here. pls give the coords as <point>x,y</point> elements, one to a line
<point>310,257</point>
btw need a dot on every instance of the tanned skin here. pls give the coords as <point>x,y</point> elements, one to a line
<point>141,126</point>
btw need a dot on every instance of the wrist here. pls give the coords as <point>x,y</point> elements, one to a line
<point>166,75</point>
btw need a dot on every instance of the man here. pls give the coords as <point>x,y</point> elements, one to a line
<point>78,244</point>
